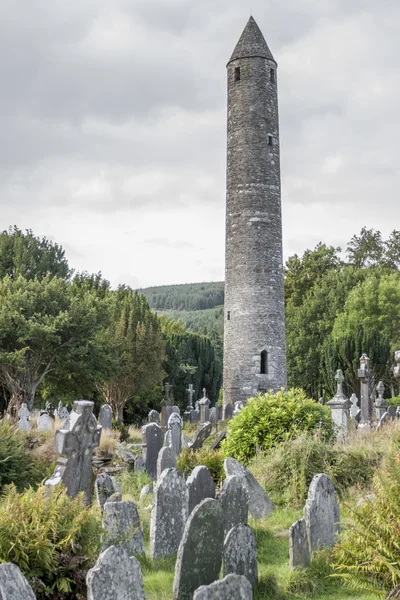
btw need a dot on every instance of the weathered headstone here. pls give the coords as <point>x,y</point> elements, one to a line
<point>63,413</point>
<point>169,514</point>
<point>204,404</point>
<point>231,587</point>
<point>139,463</point>
<point>218,440</point>
<point>240,553</point>
<point>153,439</point>
<point>238,407</point>
<point>115,576</point>
<point>173,436</point>
<point>166,460</point>
<point>154,417</point>
<point>364,375</point>
<point>195,416</point>
<point>234,500</point>
<point>380,404</point>
<point>24,414</point>
<point>391,412</point>
<point>166,407</point>
<point>177,410</point>
<point>260,504</point>
<point>123,528</point>
<point>228,411</point>
<point>213,416</point>
<point>105,416</point>
<point>354,406</point>
<point>321,513</point>
<point>106,486</point>
<point>13,585</point>
<point>200,551</point>
<point>77,443</point>
<point>200,436</point>
<point>200,485</point>
<point>340,406</point>
<point>45,422</point>
<point>384,419</point>
<point>299,551</point>
<point>396,368</point>
<point>147,490</point>
<point>191,392</point>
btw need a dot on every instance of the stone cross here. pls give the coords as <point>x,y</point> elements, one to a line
<point>76,443</point>
<point>364,376</point>
<point>191,393</point>
<point>24,415</point>
<point>167,389</point>
<point>380,403</point>
<point>339,380</point>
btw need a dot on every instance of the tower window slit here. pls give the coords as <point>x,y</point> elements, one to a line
<point>264,362</point>
<point>270,139</point>
<point>272,75</point>
<point>237,73</point>
<point>228,315</point>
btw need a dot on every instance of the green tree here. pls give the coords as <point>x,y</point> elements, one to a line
<point>367,249</point>
<point>30,256</point>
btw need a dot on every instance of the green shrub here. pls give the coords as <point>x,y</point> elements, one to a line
<point>52,538</point>
<point>212,459</point>
<point>395,401</point>
<point>368,555</point>
<point>17,465</point>
<point>271,418</point>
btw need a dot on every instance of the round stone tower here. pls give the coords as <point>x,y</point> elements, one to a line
<point>254,326</point>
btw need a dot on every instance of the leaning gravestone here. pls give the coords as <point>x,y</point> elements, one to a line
<point>77,443</point>
<point>13,585</point>
<point>166,460</point>
<point>321,513</point>
<point>240,553</point>
<point>231,587</point>
<point>153,439</point>
<point>260,504</point>
<point>234,500</point>
<point>106,486</point>
<point>200,485</point>
<point>200,551</point>
<point>169,514</point>
<point>105,416</point>
<point>115,576</point>
<point>200,436</point>
<point>123,528</point>
<point>24,414</point>
<point>45,422</point>
<point>218,441</point>
<point>299,551</point>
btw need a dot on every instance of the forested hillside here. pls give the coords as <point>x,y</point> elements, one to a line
<point>187,296</point>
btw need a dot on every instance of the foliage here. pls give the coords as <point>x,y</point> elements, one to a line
<point>212,459</point>
<point>286,470</point>
<point>132,482</point>
<point>199,321</point>
<point>271,418</point>
<point>16,462</point>
<point>395,401</point>
<point>187,296</point>
<point>51,537</point>
<point>368,555</point>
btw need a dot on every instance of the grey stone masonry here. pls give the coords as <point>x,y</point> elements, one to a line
<point>13,585</point>
<point>169,514</point>
<point>321,513</point>
<point>299,552</point>
<point>77,442</point>
<point>153,440</point>
<point>166,460</point>
<point>123,528</point>
<point>260,504</point>
<point>115,576</point>
<point>240,553</point>
<point>231,587</point>
<point>254,322</point>
<point>234,500</point>
<point>200,551</point>
<point>200,485</point>
<point>105,486</point>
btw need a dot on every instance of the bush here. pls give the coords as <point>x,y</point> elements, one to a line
<point>52,538</point>
<point>212,459</point>
<point>395,401</point>
<point>272,418</point>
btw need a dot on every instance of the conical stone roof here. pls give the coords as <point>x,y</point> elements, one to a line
<point>251,43</point>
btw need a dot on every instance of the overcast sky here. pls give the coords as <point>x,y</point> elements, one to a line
<point>113,126</point>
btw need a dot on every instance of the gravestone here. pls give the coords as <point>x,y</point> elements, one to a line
<point>45,422</point>
<point>218,440</point>
<point>200,485</point>
<point>380,403</point>
<point>260,504</point>
<point>115,576</point>
<point>173,436</point>
<point>238,407</point>
<point>166,460</point>
<point>147,490</point>
<point>195,416</point>
<point>213,416</point>
<point>105,416</point>
<point>200,436</point>
<point>106,486</point>
<point>169,514</point>
<point>187,414</point>
<point>240,553</point>
<point>231,587</point>
<point>191,392</point>
<point>154,417</point>
<point>396,368</point>
<point>398,412</point>
<point>166,407</point>
<point>234,500</point>
<point>153,439</point>
<point>391,412</point>
<point>200,551</point>
<point>204,405</point>
<point>365,376</point>
<point>24,414</point>
<point>177,410</point>
<point>13,585</point>
<point>63,413</point>
<point>340,406</point>
<point>77,444</point>
<point>139,463</point>
<point>123,528</point>
<point>354,406</point>
<point>228,411</point>
<point>321,513</point>
<point>299,551</point>
<point>384,419</point>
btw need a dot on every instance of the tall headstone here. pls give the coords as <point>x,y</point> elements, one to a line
<point>228,411</point>
<point>380,403</point>
<point>24,414</point>
<point>340,406</point>
<point>166,460</point>
<point>122,525</point>
<point>200,485</point>
<point>153,439</point>
<point>174,433</point>
<point>231,587</point>
<point>299,551</point>
<point>166,407</point>
<point>169,514</point>
<point>260,504</point>
<point>13,585</point>
<point>63,413</point>
<point>76,443</point>
<point>354,406</point>
<point>200,551</point>
<point>204,404</point>
<point>191,392</point>
<point>105,416</point>
<point>234,500</point>
<point>115,576</point>
<point>321,513</point>
<point>366,405</point>
<point>240,553</point>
